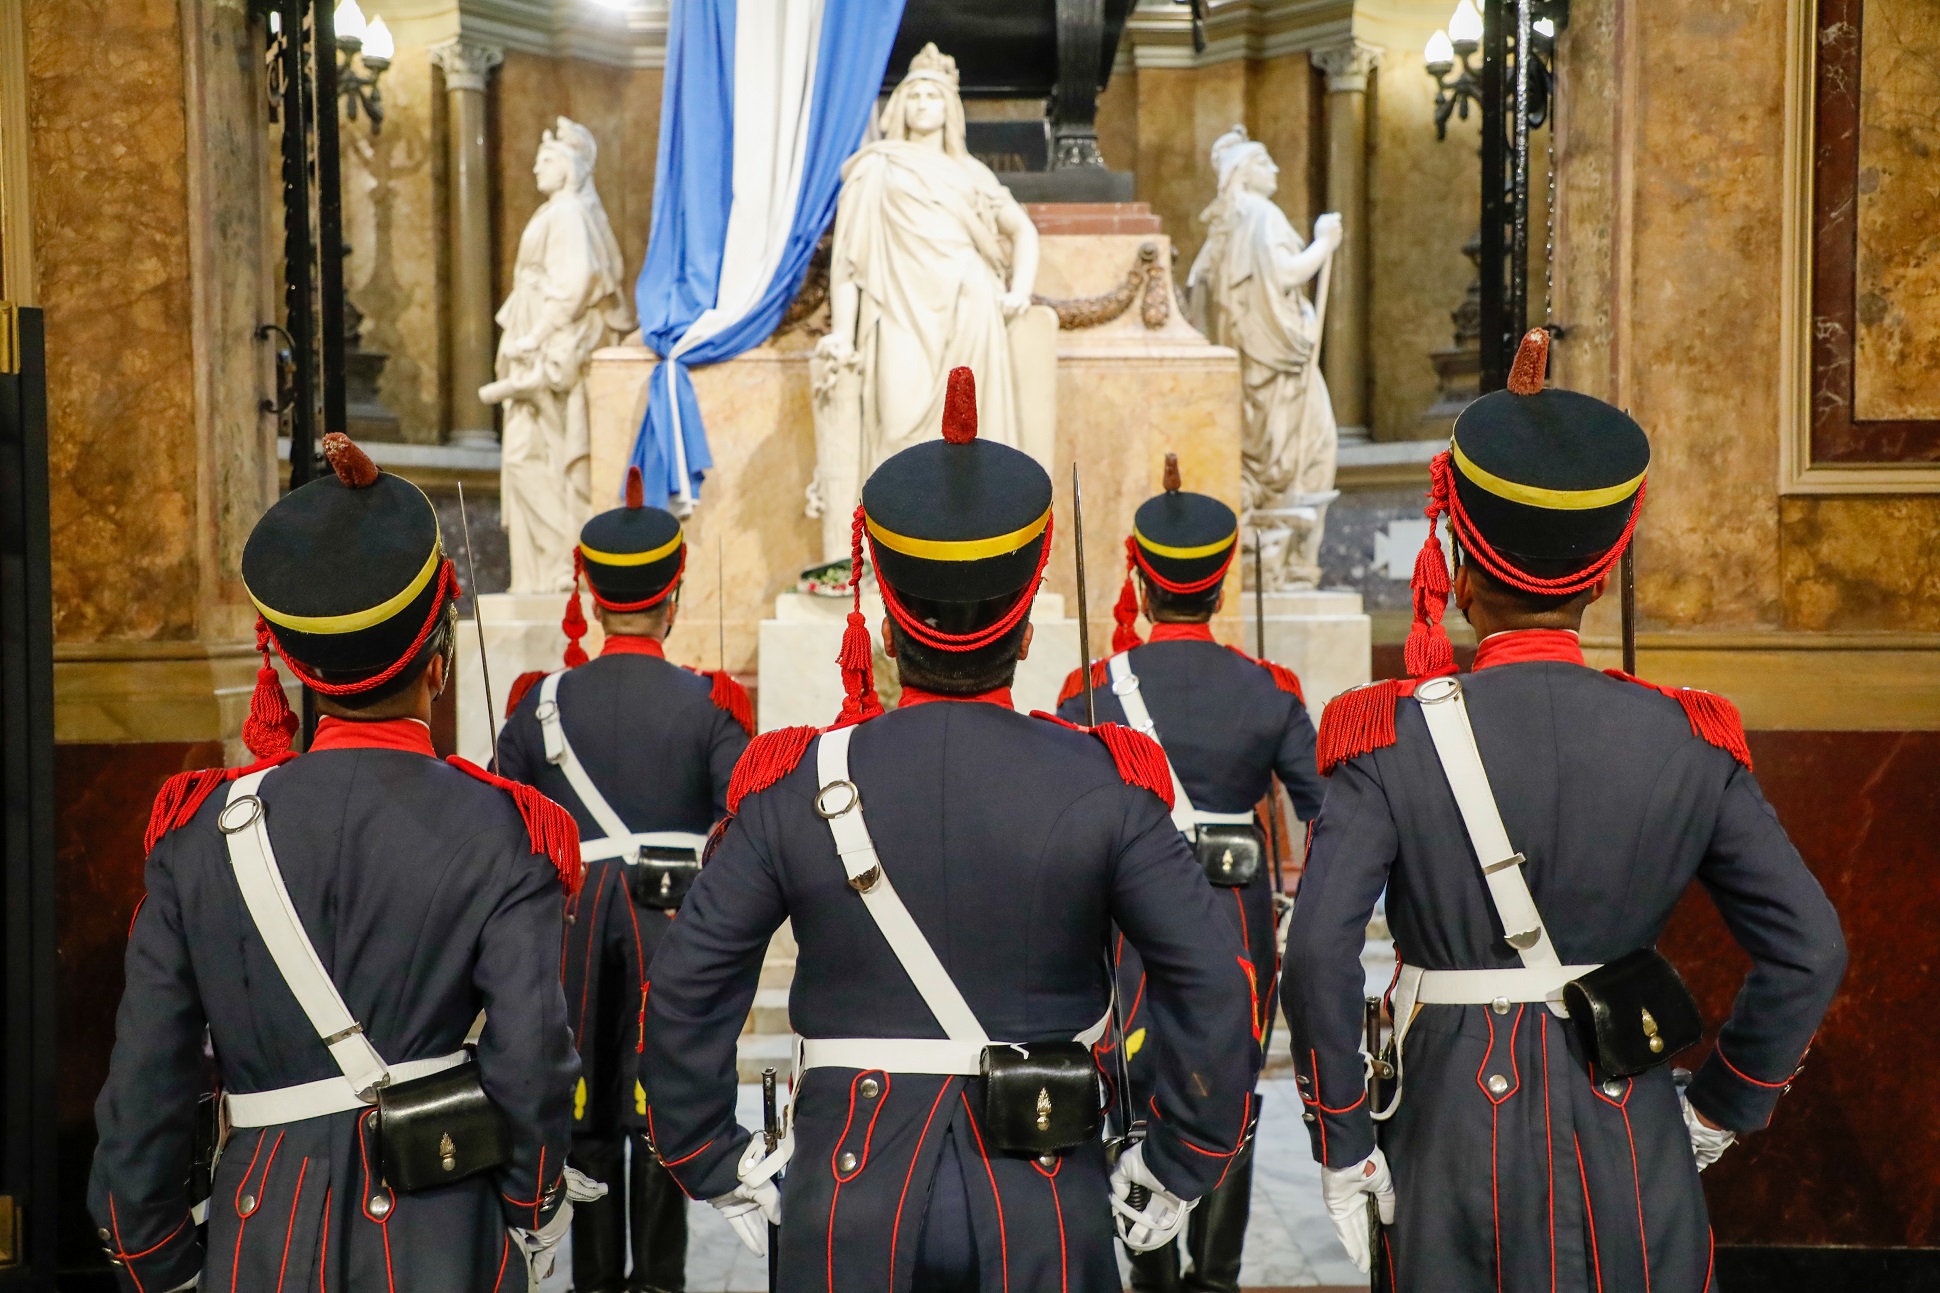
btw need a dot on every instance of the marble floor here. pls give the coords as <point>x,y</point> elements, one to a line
<point>1289,1243</point>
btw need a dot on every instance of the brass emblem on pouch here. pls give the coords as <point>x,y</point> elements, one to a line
<point>666,883</point>
<point>1044,1108</point>
<point>1650,1031</point>
<point>1226,862</point>
<point>447,1153</point>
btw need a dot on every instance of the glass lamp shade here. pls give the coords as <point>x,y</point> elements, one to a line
<point>378,45</point>
<point>1439,56</point>
<point>1544,27</point>
<point>1464,25</point>
<point>350,23</point>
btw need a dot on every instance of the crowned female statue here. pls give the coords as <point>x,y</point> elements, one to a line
<point>1253,268</point>
<point>933,260</point>
<point>568,298</point>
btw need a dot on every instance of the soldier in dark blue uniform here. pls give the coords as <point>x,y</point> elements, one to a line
<point>952,972</point>
<point>1228,723</point>
<point>430,891</point>
<point>641,750</point>
<point>1519,1154</point>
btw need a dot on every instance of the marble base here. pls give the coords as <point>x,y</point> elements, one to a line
<point>521,632</point>
<point>801,684</point>
<point>1324,637</point>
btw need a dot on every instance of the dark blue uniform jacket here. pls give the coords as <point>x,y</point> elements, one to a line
<point>1554,1181</point>
<point>1228,724</point>
<point>1016,844</point>
<point>661,752</point>
<point>419,887</point>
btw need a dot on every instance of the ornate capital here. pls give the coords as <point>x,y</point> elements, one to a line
<point>466,63</point>
<point>1347,65</point>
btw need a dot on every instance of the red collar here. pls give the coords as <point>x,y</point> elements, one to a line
<point>1520,646</point>
<point>633,644</point>
<point>406,734</point>
<point>1201,632</point>
<point>917,696</point>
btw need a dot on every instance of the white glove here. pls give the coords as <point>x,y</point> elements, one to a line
<point>1708,1144</point>
<point>755,1204</point>
<point>538,1245</point>
<point>1346,1191</point>
<point>1164,1214</point>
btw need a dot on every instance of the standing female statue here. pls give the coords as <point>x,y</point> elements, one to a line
<point>1253,266</point>
<point>933,259</point>
<point>568,298</point>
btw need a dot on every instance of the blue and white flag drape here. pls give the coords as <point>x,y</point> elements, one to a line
<point>763,102</point>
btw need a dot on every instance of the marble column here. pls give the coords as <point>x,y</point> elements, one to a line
<point>467,65</point>
<point>1344,351</point>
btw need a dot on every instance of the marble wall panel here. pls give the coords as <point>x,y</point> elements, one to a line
<point>110,194</point>
<point>394,222</point>
<point>1588,172</point>
<point>1424,202</point>
<point>1896,346</point>
<point>1117,121</point>
<point>1842,1162</point>
<point>1280,102</point>
<point>1704,337</point>
<point>1861,563</point>
<point>1180,113</point>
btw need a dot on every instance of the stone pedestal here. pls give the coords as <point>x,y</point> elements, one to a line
<point>1324,637</point>
<point>800,682</point>
<point>521,633</point>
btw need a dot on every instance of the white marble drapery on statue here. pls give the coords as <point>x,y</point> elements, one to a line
<point>1250,271</point>
<point>568,299</point>
<point>933,267</point>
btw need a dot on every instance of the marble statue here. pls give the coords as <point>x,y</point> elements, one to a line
<point>933,265</point>
<point>568,299</point>
<point>1251,272</point>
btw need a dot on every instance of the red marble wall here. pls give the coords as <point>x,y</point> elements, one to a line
<point>102,796</point>
<point>1848,1158</point>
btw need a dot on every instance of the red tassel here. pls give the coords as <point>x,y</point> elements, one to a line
<point>730,697</point>
<point>1140,760</point>
<point>1124,612</point>
<point>270,725</point>
<point>859,700</point>
<point>1355,723</point>
<point>522,684</point>
<point>574,622</point>
<point>552,830</point>
<point>768,758</point>
<point>1713,719</point>
<point>1428,651</point>
<point>182,796</point>
<point>1074,683</point>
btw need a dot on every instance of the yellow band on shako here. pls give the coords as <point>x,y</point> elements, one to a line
<point>958,549</point>
<point>1185,554</point>
<point>355,621</point>
<point>1556,500</point>
<point>634,558</point>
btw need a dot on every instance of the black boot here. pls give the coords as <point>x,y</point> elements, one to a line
<point>1217,1230</point>
<point>1156,1271</point>
<point>658,1212</point>
<point>599,1239</point>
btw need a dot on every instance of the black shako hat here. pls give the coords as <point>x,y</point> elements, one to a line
<point>349,577</point>
<point>1181,542</point>
<point>1542,490</point>
<point>957,528</point>
<point>632,556</point>
<point>958,531</point>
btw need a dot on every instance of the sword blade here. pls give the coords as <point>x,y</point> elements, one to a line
<point>1084,617</point>
<point>478,622</point>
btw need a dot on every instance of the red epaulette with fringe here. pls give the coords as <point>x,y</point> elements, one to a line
<point>731,698</point>
<point>1283,678</point>
<point>1713,719</point>
<point>1074,682</point>
<point>1140,760</point>
<point>183,795</point>
<point>1359,721</point>
<point>768,758</point>
<point>553,831</point>
<point>520,686</point>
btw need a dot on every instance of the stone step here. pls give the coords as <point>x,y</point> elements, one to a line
<point>778,972</point>
<point>757,1051</point>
